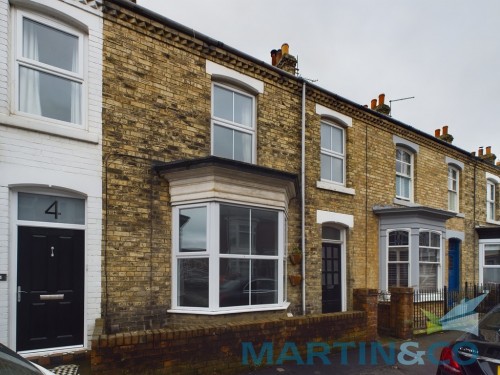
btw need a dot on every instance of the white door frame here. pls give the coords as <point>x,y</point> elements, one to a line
<point>13,252</point>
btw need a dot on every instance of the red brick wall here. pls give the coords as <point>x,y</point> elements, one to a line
<point>216,349</point>
<point>395,318</point>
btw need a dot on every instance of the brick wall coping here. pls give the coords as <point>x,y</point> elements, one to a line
<point>192,330</point>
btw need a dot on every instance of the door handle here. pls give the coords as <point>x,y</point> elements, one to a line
<point>19,291</point>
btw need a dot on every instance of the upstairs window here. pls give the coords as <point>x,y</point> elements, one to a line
<point>49,67</point>
<point>233,124</point>
<point>490,200</point>
<point>453,183</point>
<point>404,174</point>
<point>332,153</point>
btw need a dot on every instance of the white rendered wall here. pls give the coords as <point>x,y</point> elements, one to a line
<point>38,154</point>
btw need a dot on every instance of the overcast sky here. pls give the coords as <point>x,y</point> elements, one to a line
<point>445,53</point>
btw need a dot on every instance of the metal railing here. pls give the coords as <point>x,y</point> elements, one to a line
<point>438,303</point>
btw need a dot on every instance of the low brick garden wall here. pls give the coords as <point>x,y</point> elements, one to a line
<point>217,349</point>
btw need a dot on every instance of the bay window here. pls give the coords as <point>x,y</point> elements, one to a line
<point>411,252</point>
<point>228,257</point>
<point>49,67</point>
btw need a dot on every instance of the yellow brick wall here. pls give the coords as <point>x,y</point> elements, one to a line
<point>157,107</point>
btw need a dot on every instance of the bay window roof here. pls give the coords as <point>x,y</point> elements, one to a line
<point>215,178</point>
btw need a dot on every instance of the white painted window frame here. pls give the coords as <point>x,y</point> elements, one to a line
<point>334,154</point>
<point>213,230</point>
<point>233,125</point>
<point>453,194</point>
<point>439,263</point>
<point>482,249</point>
<point>410,177</point>
<point>408,230</point>
<point>18,60</point>
<point>490,200</point>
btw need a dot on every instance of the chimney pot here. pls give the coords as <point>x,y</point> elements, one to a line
<point>473,153</point>
<point>437,133</point>
<point>373,104</point>
<point>445,129</point>
<point>381,99</point>
<point>285,48</point>
<point>273,57</point>
<point>498,163</point>
<point>480,152</point>
<point>488,150</point>
<point>278,56</point>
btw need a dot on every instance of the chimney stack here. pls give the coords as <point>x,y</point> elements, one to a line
<point>381,107</point>
<point>282,59</point>
<point>488,157</point>
<point>444,136</point>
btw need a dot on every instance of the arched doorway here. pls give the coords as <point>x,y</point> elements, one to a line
<point>332,270</point>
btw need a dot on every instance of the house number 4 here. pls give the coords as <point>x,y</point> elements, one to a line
<point>52,210</point>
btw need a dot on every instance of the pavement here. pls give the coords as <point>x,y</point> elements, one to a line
<point>417,356</point>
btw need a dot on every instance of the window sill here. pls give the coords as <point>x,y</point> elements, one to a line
<point>194,311</point>
<point>50,129</point>
<point>404,202</point>
<point>489,221</point>
<point>334,187</point>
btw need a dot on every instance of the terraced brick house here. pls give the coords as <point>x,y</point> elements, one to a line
<point>216,168</point>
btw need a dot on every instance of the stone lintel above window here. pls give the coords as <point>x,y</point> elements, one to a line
<point>214,178</point>
<point>401,142</point>
<point>454,163</point>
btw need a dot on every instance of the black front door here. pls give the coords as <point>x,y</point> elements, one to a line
<point>50,285</point>
<point>331,278</point>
